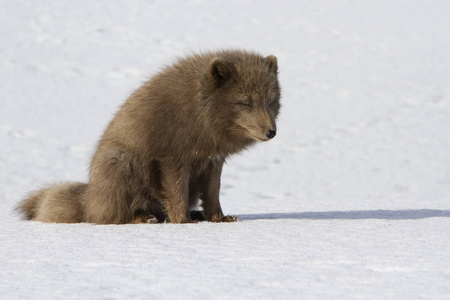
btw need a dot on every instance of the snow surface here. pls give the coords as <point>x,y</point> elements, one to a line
<point>351,199</point>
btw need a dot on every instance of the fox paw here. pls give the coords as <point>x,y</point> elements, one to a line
<point>220,219</point>
<point>145,219</point>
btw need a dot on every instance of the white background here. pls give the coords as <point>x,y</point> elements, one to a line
<point>350,200</point>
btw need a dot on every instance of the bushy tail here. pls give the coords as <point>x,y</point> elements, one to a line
<point>59,203</point>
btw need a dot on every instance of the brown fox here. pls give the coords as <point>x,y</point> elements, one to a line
<point>164,150</point>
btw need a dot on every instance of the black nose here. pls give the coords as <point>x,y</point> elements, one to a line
<point>270,134</point>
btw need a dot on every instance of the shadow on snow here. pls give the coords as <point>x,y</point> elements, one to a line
<point>407,214</point>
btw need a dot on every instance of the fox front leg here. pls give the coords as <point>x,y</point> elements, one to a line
<point>175,185</point>
<point>210,188</point>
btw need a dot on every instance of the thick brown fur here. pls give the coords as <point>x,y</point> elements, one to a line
<point>165,148</point>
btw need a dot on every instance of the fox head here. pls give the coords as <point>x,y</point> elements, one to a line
<point>245,95</point>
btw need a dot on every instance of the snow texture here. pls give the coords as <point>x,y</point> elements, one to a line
<point>351,200</point>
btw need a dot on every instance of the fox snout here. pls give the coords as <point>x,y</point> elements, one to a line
<point>257,124</point>
<point>260,132</point>
<point>267,126</point>
<point>262,135</point>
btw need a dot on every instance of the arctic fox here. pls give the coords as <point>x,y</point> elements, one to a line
<point>164,150</point>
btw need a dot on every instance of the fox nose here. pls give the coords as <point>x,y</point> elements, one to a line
<point>270,134</point>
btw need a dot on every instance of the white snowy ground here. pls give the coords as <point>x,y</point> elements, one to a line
<point>350,200</point>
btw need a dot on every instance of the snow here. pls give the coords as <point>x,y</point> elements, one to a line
<point>350,200</point>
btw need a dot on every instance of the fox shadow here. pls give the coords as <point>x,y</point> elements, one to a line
<point>407,214</point>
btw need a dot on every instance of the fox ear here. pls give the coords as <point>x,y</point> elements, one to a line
<point>273,63</point>
<point>221,71</point>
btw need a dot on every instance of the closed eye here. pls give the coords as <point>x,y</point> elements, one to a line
<point>245,104</point>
